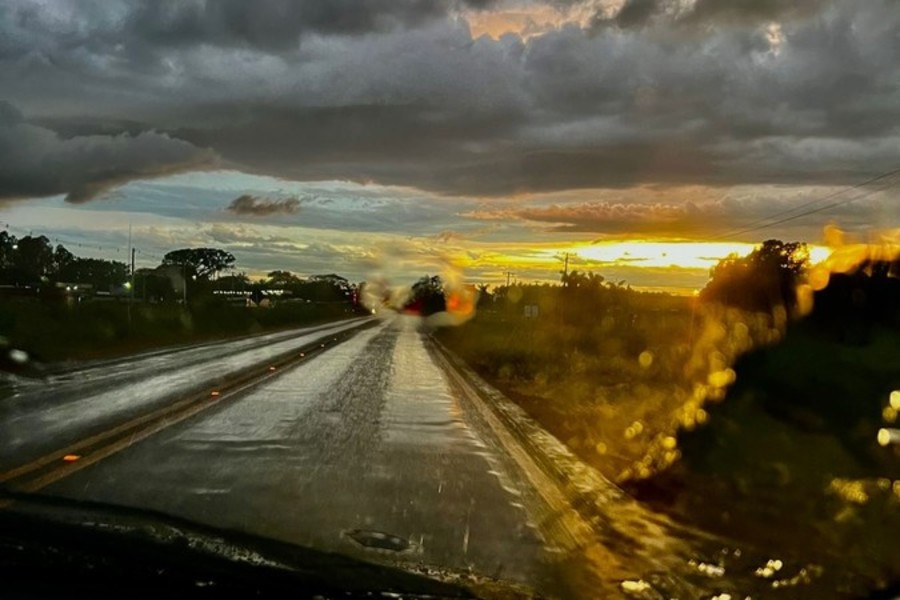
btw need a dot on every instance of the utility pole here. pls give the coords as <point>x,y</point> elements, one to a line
<point>566,272</point>
<point>508,275</point>
<point>131,278</point>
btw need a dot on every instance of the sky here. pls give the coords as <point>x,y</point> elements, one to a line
<point>646,139</point>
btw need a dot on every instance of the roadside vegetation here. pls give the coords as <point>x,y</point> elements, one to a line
<point>750,410</point>
<point>57,306</point>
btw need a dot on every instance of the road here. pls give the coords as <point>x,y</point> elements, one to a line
<point>72,405</point>
<point>363,445</point>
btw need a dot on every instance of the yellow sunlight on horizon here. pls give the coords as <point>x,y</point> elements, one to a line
<point>684,255</point>
<point>693,256</point>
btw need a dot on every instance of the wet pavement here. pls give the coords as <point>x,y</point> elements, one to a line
<point>363,449</point>
<point>43,415</point>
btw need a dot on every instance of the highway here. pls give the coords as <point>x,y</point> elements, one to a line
<point>71,405</point>
<point>363,449</point>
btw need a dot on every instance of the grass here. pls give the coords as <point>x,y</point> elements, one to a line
<point>90,330</point>
<point>741,424</point>
<point>579,371</point>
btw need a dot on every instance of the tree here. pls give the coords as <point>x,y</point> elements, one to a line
<point>335,280</point>
<point>62,258</point>
<point>202,262</point>
<point>579,280</point>
<point>102,274</point>
<point>282,279</point>
<point>8,244</point>
<point>238,281</point>
<point>760,281</point>
<point>485,298</point>
<point>34,257</point>
<point>427,296</point>
<point>325,288</point>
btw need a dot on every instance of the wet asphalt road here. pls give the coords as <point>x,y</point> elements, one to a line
<point>366,436</point>
<point>44,415</point>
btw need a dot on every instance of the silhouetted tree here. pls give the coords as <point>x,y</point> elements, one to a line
<point>202,262</point>
<point>34,258</point>
<point>282,279</point>
<point>427,296</point>
<point>102,274</point>
<point>760,281</point>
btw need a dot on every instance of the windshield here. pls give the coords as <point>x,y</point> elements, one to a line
<point>567,298</point>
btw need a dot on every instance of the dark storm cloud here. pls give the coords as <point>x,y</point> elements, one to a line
<point>263,207</point>
<point>637,13</point>
<point>35,161</point>
<point>399,93</point>
<point>751,11</point>
<point>265,24</point>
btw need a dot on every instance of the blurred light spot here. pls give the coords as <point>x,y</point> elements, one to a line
<point>895,400</point>
<point>600,448</point>
<point>805,299</point>
<point>723,378</point>
<point>765,572</point>
<point>702,416</point>
<point>819,277</point>
<point>886,436</point>
<point>214,393</point>
<point>669,442</point>
<point>71,457</point>
<point>708,569</point>
<point>889,414</point>
<point>645,359</point>
<point>18,356</point>
<point>849,490</point>
<point>272,368</point>
<point>635,587</point>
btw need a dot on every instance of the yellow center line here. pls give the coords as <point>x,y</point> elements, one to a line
<point>73,458</point>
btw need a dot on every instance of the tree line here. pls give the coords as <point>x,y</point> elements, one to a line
<point>33,263</point>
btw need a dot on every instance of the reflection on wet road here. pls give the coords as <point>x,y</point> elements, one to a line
<point>45,415</point>
<point>367,439</point>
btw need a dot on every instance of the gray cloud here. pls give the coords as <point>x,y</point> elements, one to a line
<point>706,13</point>
<point>270,25</point>
<point>35,161</point>
<point>247,204</point>
<point>684,219</point>
<point>636,12</point>
<point>751,11</point>
<point>761,92</point>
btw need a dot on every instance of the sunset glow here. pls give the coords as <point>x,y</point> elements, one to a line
<point>657,257</point>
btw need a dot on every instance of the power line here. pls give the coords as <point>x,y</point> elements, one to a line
<point>813,211</point>
<point>762,223</point>
<point>71,243</point>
